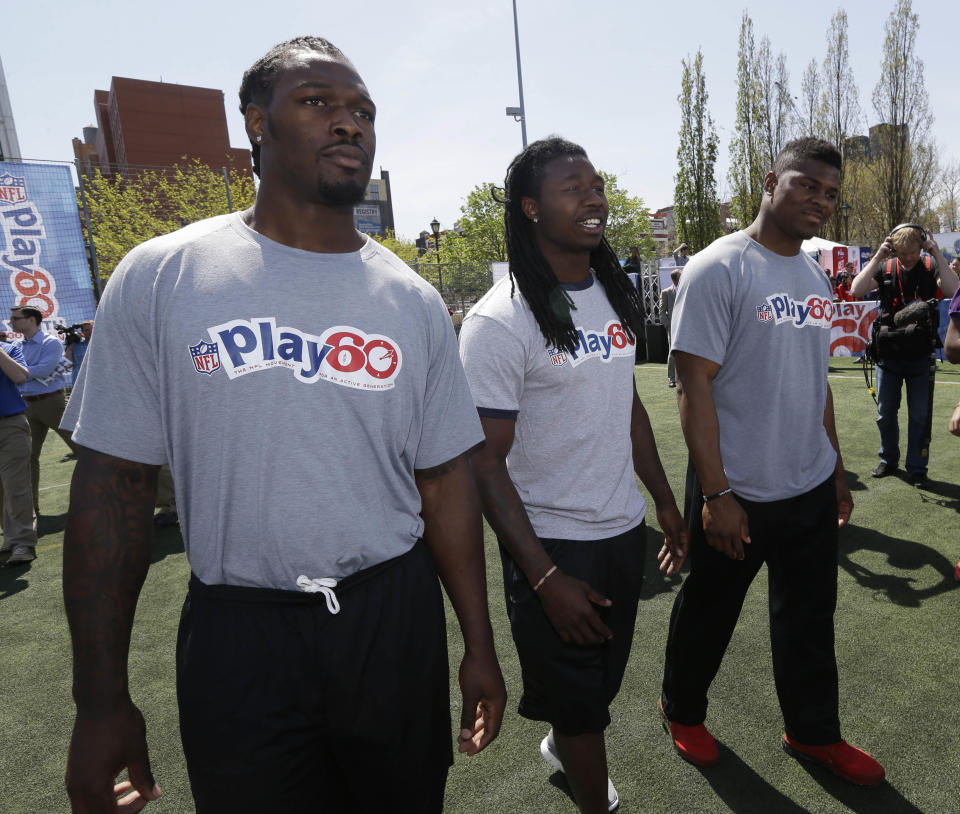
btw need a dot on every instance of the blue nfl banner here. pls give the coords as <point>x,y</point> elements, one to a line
<point>42,258</point>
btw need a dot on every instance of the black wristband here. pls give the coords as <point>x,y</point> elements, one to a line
<point>715,495</point>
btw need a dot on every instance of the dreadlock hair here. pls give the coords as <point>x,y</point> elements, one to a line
<point>807,148</point>
<point>259,78</point>
<point>530,270</point>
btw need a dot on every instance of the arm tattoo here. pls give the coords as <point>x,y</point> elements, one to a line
<point>106,555</point>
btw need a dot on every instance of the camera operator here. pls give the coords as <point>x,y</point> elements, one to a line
<point>904,275</point>
<point>77,338</point>
<point>43,389</point>
<point>19,533</point>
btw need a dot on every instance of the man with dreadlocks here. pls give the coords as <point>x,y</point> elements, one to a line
<point>304,386</point>
<point>549,356</point>
<point>766,484</point>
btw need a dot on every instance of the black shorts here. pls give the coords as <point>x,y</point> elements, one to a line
<point>571,686</point>
<point>286,707</point>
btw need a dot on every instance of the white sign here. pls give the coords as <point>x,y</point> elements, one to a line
<point>949,243</point>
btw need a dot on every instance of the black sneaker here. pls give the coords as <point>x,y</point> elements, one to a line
<point>882,470</point>
<point>166,519</point>
<point>917,479</point>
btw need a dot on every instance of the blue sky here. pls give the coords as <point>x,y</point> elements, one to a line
<point>604,74</point>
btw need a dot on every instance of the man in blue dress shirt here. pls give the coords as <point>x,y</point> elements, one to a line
<point>43,389</point>
<point>19,532</point>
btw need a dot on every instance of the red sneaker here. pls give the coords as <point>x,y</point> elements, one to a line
<point>956,572</point>
<point>694,743</point>
<point>841,758</point>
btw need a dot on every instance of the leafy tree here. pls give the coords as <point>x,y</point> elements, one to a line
<point>811,115</point>
<point>773,88</point>
<point>949,210</point>
<point>747,166</point>
<point>406,250</point>
<point>126,210</point>
<point>628,223</point>
<point>904,161</point>
<point>840,112</point>
<point>480,228</point>
<point>841,99</point>
<point>696,206</point>
<point>467,250</point>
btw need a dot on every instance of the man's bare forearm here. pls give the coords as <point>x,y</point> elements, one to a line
<point>829,424</point>
<point>865,281</point>
<point>701,430</point>
<point>453,531</point>
<point>507,515</point>
<point>106,554</point>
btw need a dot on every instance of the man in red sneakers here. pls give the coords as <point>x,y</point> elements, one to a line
<point>766,485</point>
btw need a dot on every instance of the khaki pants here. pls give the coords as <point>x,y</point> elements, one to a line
<point>166,498</point>
<point>44,415</point>
<point>18,519</point>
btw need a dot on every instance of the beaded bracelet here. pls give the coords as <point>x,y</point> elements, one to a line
<point>544,579</point>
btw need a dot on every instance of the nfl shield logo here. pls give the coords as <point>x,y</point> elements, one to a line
<point>12,189</point>
<point>206,357</point>
<point>764,313</point>
<point>557,356</point>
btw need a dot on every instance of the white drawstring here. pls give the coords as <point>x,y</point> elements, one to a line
<point>323,585</point>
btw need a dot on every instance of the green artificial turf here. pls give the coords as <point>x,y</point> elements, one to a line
<point>897,646</point>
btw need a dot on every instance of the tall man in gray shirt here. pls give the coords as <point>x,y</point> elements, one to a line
<point>304,386</point>
<point>767,484</point>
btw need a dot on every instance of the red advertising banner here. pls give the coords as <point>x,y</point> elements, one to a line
<point>839,258</point>
<point>850,328</point>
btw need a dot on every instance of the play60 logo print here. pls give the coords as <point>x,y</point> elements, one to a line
<point>342,354</point>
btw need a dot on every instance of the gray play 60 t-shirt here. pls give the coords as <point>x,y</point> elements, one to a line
<point>571,460</point>
<point>293,394</point>
<point>765,319</point>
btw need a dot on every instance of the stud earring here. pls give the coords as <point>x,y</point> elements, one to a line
<point>536,220</point>
<point>259,139</point>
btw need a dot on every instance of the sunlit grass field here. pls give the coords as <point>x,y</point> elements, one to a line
<point>898,634</point>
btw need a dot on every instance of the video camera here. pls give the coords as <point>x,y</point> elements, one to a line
<point>71,335</point>
<point>914,332</point>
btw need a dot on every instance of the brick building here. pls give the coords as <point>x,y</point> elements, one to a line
<point>158,124</point>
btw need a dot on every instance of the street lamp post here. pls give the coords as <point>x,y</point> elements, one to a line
<point>435,227</point>
<point>519,113</point>
<point>845,208</point>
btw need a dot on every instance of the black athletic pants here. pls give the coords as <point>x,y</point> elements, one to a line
<point>287,707</point>
<point>797,539</point>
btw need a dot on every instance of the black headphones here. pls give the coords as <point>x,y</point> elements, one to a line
<point>917,226</point>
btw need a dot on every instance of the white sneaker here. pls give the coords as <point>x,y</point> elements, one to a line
<point>549,751</point>
<point>21,554</point>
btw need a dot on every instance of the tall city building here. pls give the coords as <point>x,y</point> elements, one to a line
<point>375,215</point>
<point>144,123</point>
<point>9,146</point>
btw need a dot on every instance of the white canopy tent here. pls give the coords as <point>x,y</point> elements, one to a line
<point>819,244</point>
